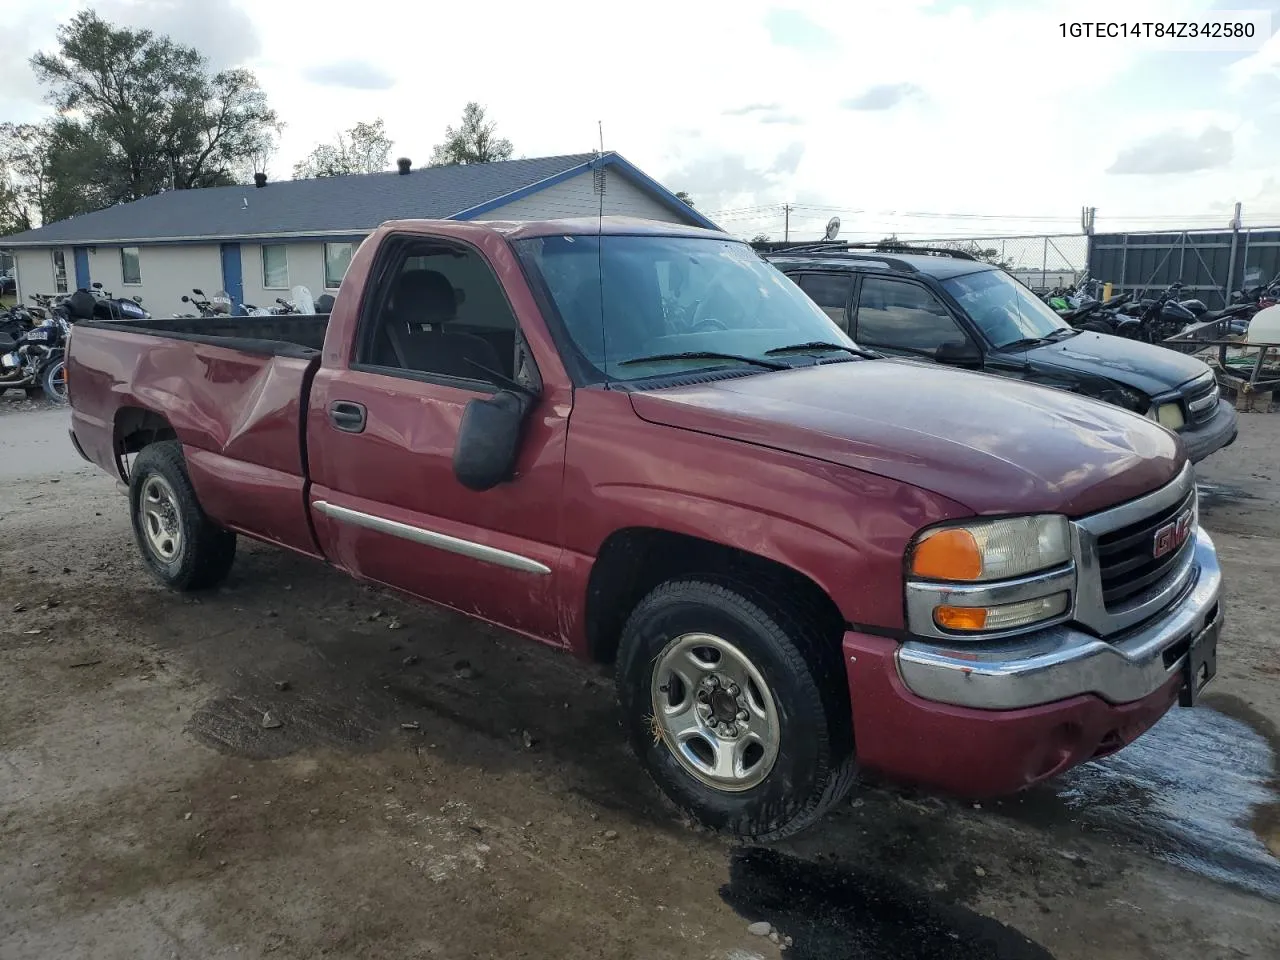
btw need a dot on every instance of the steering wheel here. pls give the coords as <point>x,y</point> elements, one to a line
<point>709,323</point>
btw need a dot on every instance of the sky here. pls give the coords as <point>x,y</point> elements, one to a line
<point>924,118</point>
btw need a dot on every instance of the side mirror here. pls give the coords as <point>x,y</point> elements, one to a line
<point>97,285</point>
<point>959,353</point>
<point>197,292</point>
<point>489,439</point>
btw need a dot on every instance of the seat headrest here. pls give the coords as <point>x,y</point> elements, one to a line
<point>424,296</point>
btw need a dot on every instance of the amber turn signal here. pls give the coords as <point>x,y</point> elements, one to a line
<point>960,618</point>
<point>947,554</point>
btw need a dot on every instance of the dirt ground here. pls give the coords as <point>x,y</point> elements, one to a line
<point>299,766</point>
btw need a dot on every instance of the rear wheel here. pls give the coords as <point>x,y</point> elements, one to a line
<point>182,547</point>
<point>736,707</point>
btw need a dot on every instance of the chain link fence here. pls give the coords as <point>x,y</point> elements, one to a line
<point>1044,262</point>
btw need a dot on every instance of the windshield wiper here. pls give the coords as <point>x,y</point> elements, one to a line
<point>707,355</point>
<point>823,345</point>
<point>1062,334</point>
<point>1024,342</point>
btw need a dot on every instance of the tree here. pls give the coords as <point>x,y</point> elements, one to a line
<point>761,238</point>
<point>138,114</point>
<point>474,141</point>
<point>683,195</point>
<point>362,149</point>
<point>23,175</point>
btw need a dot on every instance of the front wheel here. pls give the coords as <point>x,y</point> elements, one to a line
<point>53,381</point>
<point>181,546</point>
<point>737,708</point>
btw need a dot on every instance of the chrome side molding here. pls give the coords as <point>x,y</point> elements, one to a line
<point>432,538</point>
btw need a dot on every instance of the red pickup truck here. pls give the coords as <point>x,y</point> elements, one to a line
<point>642,443</point>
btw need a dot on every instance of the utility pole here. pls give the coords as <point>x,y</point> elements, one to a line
<point>786,229</point>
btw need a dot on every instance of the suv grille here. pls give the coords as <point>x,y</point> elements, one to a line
<point>1125,556</point>
<point>1202,401</point>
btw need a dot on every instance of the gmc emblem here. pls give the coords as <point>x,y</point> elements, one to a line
<point>1173,534</point>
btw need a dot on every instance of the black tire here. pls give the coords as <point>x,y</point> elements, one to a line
<point>803,668</point>
<point>53,381</point>
<point>204,551</point>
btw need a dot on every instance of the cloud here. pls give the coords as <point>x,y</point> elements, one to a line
<point>791,28</point>
<point>765,113</point>
<point>1176,151</point>
<point>355,74</point>
<point>219,29</point>
<point>718,179</point>
<point>883,96</point>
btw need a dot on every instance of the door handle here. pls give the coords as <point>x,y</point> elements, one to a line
<point>347,416</point>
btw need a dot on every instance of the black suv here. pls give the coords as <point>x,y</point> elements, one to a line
<point>944,306</point>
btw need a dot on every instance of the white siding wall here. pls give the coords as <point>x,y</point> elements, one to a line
<point>576,198</point>
<point>306,267</point>
<point>168,271</point>
<point>35,272</point>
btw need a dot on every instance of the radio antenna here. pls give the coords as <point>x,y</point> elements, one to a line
<point>598,182</point>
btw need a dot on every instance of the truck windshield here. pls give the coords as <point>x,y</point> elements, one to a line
<point>644,306</point>
<point>1004,310</point>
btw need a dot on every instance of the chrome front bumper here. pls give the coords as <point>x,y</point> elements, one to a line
<point>1064,661</point>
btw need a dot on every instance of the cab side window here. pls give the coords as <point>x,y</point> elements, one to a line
<point>830,291</point>
<point>442,312</point>
<point>902,315</point>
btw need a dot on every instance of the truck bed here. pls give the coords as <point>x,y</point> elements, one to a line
<point>293,335</point>
<point>232,390</point>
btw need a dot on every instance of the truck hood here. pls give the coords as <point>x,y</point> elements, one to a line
<point>1143,366</point>
<point>991,444</point>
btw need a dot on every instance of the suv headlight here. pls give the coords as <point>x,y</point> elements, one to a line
<point>1168,415</point>
<point>989,576</point>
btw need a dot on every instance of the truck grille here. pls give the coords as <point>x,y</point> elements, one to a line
<point>1126,560</point>
<point>1202,401</point>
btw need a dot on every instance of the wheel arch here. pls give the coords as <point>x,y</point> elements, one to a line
<point>135,428</point>
<point>632,561</point>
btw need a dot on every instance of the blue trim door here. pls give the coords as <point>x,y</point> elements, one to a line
<point>81,255</point>
<point>232,273</point>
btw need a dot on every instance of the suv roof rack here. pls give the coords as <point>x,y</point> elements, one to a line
<point>877,247</point>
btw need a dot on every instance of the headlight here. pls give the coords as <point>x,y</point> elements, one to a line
<point>1003,616</point>
<point>1168,415</point>
<point>990,577</point>
<point>992,549</point>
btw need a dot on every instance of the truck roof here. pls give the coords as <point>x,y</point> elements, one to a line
<point>574,226</point>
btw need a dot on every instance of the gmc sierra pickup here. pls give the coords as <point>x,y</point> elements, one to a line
<point>643,444</point>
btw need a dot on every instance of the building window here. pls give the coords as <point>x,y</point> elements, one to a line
<point>130,266</point>
<point>337,258</point>
<point>275,267</point>
<point>59,271</point>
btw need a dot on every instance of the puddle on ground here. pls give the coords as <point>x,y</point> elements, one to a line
<point>1198,790</point>
<point>833,912</point>
<point>1215,495</point>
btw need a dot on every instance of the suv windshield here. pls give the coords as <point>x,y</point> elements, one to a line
<point>1004,310</point>
<point>665,296</point>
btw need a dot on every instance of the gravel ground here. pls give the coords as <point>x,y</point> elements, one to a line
<point>299,766</point>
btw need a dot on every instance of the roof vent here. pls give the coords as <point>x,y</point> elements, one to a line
<point>259,180</point>
<point>403,164</point>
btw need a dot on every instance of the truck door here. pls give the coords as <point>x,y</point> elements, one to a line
<point>436,330</point>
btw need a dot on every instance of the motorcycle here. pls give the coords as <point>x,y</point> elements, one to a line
<point>107,306</point>
<point>37,360</point>
<point>219,305</point>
